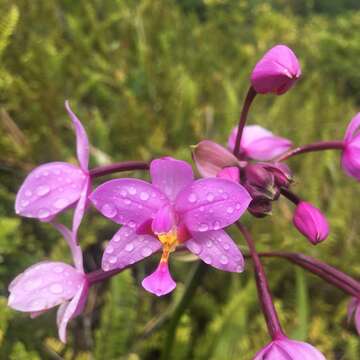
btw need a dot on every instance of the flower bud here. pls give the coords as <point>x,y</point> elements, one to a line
<point>281,172</point>
<point>311,222</point>
<point>286,349</point>
<point>276,72</point>
<point>350,161</point>
<point>260,207</point>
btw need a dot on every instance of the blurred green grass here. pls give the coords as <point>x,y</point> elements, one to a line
<point>150,78</point>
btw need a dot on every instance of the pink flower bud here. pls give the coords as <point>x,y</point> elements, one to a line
<point>350,161</point>
<point>286,349</point>
<point>311,222</point>
<point>276,72</point>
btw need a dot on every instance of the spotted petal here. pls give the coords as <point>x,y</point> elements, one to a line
<point>216,248</point>
<point>69,310</point>
<point>82,142</point>
<point>127,248</point>
<point>211,204</point>
<point>170,175</point>
<point>49,189</point>
<point>43,286</point>
<point>128,201</point>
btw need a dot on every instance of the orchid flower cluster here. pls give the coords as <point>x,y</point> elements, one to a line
<point>177,211</point>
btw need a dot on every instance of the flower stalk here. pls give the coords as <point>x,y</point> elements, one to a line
<point>118,167</point>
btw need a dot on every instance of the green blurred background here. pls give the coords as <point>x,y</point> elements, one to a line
<point>150,78</point>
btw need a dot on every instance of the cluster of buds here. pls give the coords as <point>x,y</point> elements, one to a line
<point>175,210</point>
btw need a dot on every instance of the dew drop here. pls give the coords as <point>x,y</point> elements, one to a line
<point>42,190</point>
<point>216,225</point>
<point>57,172</point>
<point>28,193</point>
<point>127,202</point>
<point>209,243</point>
<point>225,196</point>
<point>210,197</point>
<point>56,288</point>
<point>106,267</point>
<point>45,173</point>
<point>131,224</point>
<point>24,203</point>
<point>144,196</point>
<point>203,227</point>
<point>61,203</point>
<point>202,208</point>
<point>108,210</point>
<point>123,193</point>
<point>224,260</point>
<point>116,238</point>
<point>132,190</point>
<point>192,198</point>
<point>238,206</point>
<point>194,247</point>
<point>112,259</point>
<point>109,249</point>
<point>226,246</point>
<point>230,210</point>
<point>208,260</point>
<point>68,181</point>
<point>38,304</point>
<point>43,213</point>
<point>146,251</point>
<point>129,247</point>
<point>239,268</point>
<point>58,269</point>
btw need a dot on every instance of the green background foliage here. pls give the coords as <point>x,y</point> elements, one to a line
<point>150,78</point>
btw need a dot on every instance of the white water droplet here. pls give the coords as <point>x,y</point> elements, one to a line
<point>146,251</point>
<point>109,249</point>
<point>230,210</point>
<point>225,196</point>
<point>58,269</point>
<point>42,190</point>
<point>203,227</point>
<point>129,247</point>
<point>24,203</point>
<point>192,198</point>
<point>216,225</point>
<point>131,224</point>
<point>209,243</point>
<point>127,202</point>
<point>123,193</point>
<point>132,190</point>
<point>194,247</point>
<point>210,197</point>
<point>116,238</point>
<point>108,210</point>
<point>239,268</point>
<point>226,246</point>
<point>201,208</point>
<point>56,288</point>
<point>45,173</point>
<point>28,193</point>
<point>144,196</point>
<point>106,267</point>
<point>224,260</point>
<point>238,206</point>
<point>208,260</point>
<point>43,213</point>
<point>61,203</point>
<point>112,259</point>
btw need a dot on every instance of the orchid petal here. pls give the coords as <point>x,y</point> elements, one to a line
<point>210,158</point>
<point>211,204</point>
<point>81,207</point>
<point>350,160</point>
<point>71,241</point>
<point>43,286</point>
<point>231,173</point>
<point>128,201</point>
<point>170,175</point>
<point>48,190</point>
<point>260,144</point>
<point>127,247</point>
<point>82,142</point>
<point>160,281</point>
<point>216,248</point>
<point>353,128</point>
<point>70,310</point>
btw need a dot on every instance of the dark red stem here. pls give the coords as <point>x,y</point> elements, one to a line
<point>290,196</point>
<point>118,167</point>
<point>327,272</point>
<point>262,285</point>
<point>100,275</point>
<point>318,146</point>
<point>250,96</point>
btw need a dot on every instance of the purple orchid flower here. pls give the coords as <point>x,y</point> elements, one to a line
<point>172,210</point>
<point>53,187</point>
<point>51,283</point>
<point>276,72</point>
<point>287,349</point>
<point>351,154</point>
<point>258,143</point>
<point>311,222</point>
<point>354,312</point>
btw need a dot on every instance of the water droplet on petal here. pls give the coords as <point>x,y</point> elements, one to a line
<point>56,288</point>
<point>132,190</point>
<point>192,198</point>
<point>112,259</point>
<point>146,251</point>
<point>144,196</point>
<point>230,210</point>
<point>225,196</point>
<point>109,249</point>
<point>106,267</point>
<point>43,213</point>
<point>224,260</point>
<point>61,203</point>
<point>127,201</point>
<point>45,173</point>
<point>226,246</point>
<point>209,243</point>
<point>208,260</point>
<point>238,206</point>
<point>58,269</point>
<point>210,197</point>
<point>131,224</point>
<point>123,193</point>
<point>116,238</point>
<point>42,190</point>
<point>129,247</point>
<point>216,225</point>
<point>239,268</point>
<point>28,193</point>
<point>109,210</point>
<point>194,247</point>
<point>24,203</point>
<point>201,208</point>
<point>203,227</point>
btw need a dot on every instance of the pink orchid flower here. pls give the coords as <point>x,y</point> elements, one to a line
<point>351,154</point>
<point>258,143</point>
<point>53,187</point>
<point>51,283</point>
<point>276,72</point>
<point>286,349</point>
<point>311,222</point>
<point>172,210</point>
<point>354,312</point>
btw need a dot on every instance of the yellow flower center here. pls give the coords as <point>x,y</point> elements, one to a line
<point>169,241</point>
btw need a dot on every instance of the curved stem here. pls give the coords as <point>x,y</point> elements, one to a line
<point>118,167</point>
<point>250,96</point>
<point>262,285</point>
<point>290,196</point>
<point>318,146</point>
<point>327,272</point>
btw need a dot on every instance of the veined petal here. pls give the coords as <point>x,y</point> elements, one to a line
<point>170,175</point>
<point>43,286</point>
<point>160,281</point>
<point>70,310</point>
<point>350,160</point>
<point>127,247</point>
<point>82,142</point>
<point>211,204</point>
<point>216,248</point>
<point>128,201</point>
<point>48,190</point>
<point>210,158</point>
